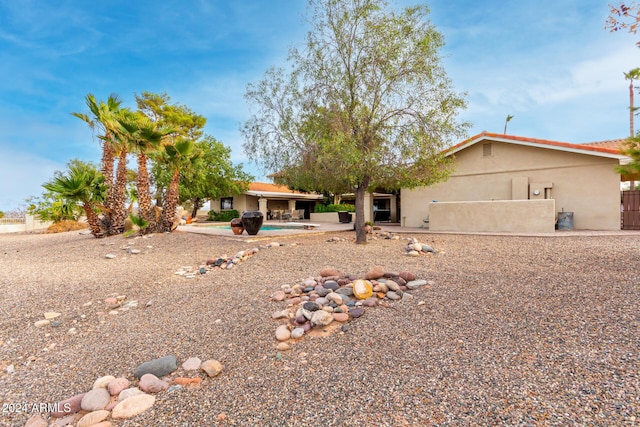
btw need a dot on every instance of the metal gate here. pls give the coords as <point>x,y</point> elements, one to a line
<point>630,210</point>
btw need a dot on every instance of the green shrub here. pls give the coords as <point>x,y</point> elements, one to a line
<point>334,208</point>
<point>223,216</point>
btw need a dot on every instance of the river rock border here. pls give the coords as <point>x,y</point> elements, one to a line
<point>119,398</point>
<point>224,262</point>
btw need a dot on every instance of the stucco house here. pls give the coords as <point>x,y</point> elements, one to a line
<point>272,200</point>
<point>505,183</point>
<point>268,198</point>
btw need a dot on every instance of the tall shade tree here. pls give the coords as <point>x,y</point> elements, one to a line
<point>212,175</point>
<point>185,124</point>
<point>631,148</point>
<point>625,16</point>
<point>180,118</point>
<point>367,104</point>
<point>84,185</point>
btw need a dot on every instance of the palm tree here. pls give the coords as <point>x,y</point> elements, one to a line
<point>632,75</point>
<point>507,120</point>
<point>104,118</point>
<point>144,137</point>
<point>84,185</point>
<point>118,194</point>
<point>177,156</point>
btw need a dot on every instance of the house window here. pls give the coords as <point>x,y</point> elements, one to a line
<point>380,204</point>
<point>226,203</point>
<point>487,149</point>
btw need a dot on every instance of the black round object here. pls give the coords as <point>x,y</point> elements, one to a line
<point>252,221</point>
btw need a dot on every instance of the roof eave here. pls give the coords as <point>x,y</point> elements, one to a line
<point>275,195</point>
<point>550,145</point>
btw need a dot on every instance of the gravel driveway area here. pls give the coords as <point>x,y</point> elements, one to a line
<point>514,331</point>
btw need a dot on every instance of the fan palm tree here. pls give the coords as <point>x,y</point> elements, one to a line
<point>144,137</point>
<point>177,156</point>
<point>84,185</point>
<point>118,194</point>
<point>103,116</point>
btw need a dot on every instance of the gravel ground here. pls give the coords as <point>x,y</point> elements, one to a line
<point>515,331</point>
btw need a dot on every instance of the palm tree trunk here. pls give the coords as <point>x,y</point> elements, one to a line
<point>94,220</point>
<point>145,204</point>
<point>119,199</point>
<point>632,184</point>
<point>107,171</point>
<point>170,203</point>
<point>631,109</point>
<point>107,162</point>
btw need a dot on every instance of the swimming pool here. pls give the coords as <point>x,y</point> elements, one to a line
<point>264,227</point>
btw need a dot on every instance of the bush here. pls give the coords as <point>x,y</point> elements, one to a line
<point>334,208</point>
<point>50,207</point>
<point>66,225</point>
<point>224,216</point>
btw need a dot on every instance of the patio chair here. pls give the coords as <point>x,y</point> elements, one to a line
<point>298,215</point>
<point>286,215</point>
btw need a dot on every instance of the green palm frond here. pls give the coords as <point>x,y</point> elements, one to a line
<point>79,184</point>
<point>140,225</point>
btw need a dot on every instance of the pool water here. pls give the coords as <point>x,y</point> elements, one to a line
<point>264,227</point>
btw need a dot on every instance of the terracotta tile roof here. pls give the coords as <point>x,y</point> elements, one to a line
<point>271,188</point>
<point>605,149</point>
<point>614,144</point>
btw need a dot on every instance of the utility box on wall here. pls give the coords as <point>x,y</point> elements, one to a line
<point>540,190</point>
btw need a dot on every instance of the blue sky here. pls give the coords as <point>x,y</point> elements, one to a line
<point>549,63</point>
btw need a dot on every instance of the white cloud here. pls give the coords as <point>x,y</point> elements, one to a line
<point>602,75</point>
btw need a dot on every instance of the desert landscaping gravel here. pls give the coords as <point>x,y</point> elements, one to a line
<point>513,331</point>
